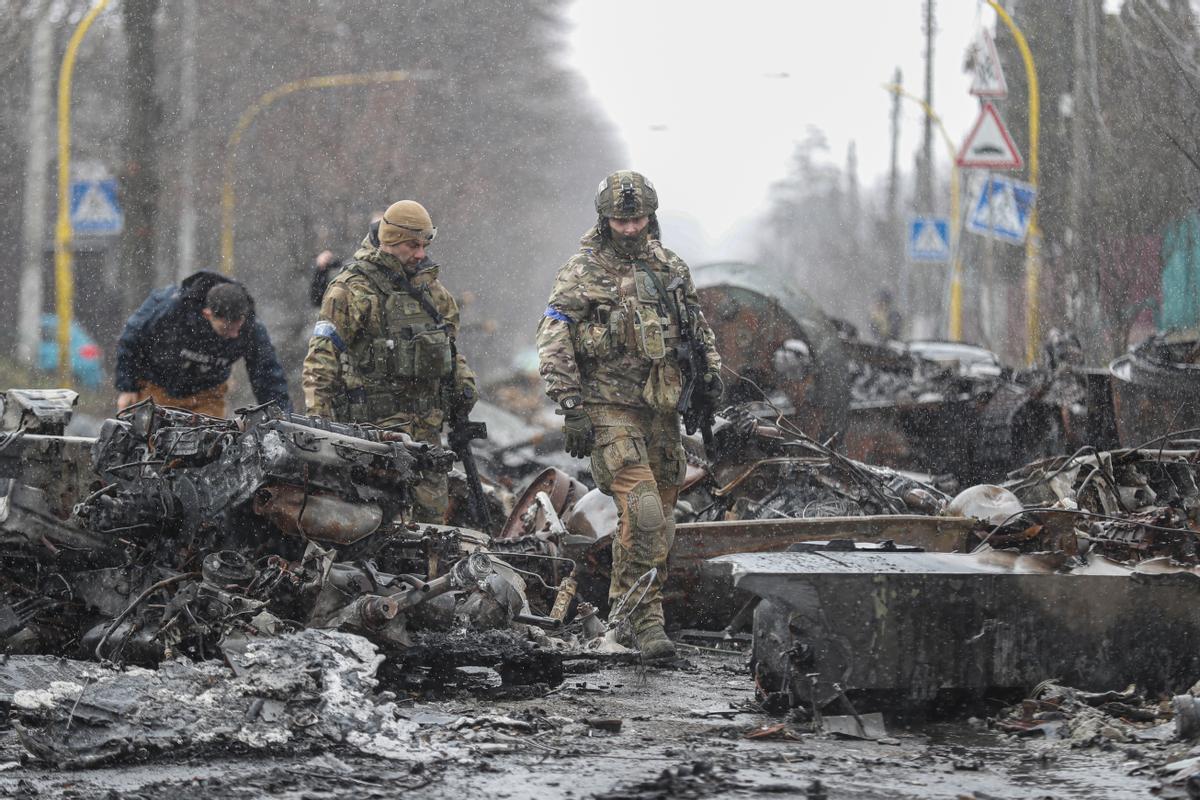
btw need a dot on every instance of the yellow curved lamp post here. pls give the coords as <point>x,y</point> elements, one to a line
<point>955,216</point>
<point>1033,264</point>
<point>320,82</point>
<point>64,276</point>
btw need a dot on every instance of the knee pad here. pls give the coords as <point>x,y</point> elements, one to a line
<point>645,507</point>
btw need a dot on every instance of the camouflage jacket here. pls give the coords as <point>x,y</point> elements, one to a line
<point>354,315</point>
<point>606,337</point>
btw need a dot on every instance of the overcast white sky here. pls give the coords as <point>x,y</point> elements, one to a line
<point>711,96</point>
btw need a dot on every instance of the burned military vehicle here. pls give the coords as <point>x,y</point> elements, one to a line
<point>170,532</point>
<point>1082,567</point>
<point>934,407</point>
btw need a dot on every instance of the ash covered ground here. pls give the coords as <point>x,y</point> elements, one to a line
<point>684,732</point>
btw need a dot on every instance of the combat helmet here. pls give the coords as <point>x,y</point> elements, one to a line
<point>625,195</point>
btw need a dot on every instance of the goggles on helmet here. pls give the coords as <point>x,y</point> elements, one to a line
<point>423,235</point>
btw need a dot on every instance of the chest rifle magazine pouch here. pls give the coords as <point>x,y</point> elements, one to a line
<point>618,325</point>
<point>430,354</point>
<point>648,330</point>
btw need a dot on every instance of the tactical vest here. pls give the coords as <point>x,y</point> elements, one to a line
<point>400,369</point>
<point>644,322</point>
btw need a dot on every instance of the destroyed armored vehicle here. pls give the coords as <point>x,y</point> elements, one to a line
<point>1084,568</point>
<point>173,532</point>
<point>763,486</point>
<point>1154,388</point>
<point>942,408</point>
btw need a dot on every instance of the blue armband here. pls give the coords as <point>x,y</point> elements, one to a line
<point>554,313</point>
<point>328,330</point>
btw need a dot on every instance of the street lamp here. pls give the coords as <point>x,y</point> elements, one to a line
<point>319,82</point>
<point>64,276</point>
<point>1033,264</point>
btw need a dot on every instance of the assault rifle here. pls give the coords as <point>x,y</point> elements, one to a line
<point>694,406</point>
<point>462,430</point>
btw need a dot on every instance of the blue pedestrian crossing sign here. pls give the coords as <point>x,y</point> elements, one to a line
<point>94,207</point>
<point>1001,208</point>
<point>929,239</point>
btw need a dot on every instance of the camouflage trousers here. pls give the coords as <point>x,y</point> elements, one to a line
<point>638,458</point>
<point>432,492</point>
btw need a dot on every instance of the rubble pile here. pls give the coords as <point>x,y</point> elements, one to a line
<point>1083,719</point>
<point>1127,505</point>
<point>897,372</point>
<point>1161,732</point>
<point>283,693</point>
<point>763,467</point>
<point>1154,387</point>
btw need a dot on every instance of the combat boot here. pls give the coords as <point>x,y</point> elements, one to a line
<point>654,644</point>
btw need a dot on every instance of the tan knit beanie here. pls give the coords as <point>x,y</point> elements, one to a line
<point>406,221</point>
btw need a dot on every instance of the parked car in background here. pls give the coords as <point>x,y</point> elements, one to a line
<point>87,359</point>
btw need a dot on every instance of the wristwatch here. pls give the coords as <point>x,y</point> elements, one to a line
<point>570,402</point>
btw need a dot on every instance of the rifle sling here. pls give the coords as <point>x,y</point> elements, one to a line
<point>401,280</point>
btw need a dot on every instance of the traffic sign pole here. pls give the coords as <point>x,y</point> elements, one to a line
<point>64,276</point>
<point>956,267</point>
<point>1033,238</point>
<point>955,214</point>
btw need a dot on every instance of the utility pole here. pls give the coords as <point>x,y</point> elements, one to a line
<point>893,187</point>
<point>187,118</point>
<point>139,179</point>
<point>853,208</point>
<point>923,297</point>
<point>895,237</point>
<point>29,325</point>
<point>1082,309</point>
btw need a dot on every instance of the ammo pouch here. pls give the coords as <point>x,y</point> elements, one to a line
<point>593,340</point>
<point>648,333</point>
<point>630,327</point>
<point>352,405</point>
<point>424,355</point>
<point>664,385</point>
<point>359,405</point>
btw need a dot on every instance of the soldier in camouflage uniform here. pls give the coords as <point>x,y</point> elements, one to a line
<point>607,347</point>
<point>378,356</point>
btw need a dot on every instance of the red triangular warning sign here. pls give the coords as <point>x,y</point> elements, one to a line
<point>988,145</point>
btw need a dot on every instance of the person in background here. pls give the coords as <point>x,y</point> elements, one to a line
<point>326,265</point>
<point>886,322</point>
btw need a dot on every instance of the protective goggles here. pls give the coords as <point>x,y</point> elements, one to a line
<point>424,235</point>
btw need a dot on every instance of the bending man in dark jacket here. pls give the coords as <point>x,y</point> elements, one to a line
<point>181,344</point>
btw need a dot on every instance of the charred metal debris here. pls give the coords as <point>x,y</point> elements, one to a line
<point>176,535</point>
<point>941,408</point>
<point>1082,568</point>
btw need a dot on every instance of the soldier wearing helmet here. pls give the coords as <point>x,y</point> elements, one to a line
<point>383,352</point>
<point>607,351</point>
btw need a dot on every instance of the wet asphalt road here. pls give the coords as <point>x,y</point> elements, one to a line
<point>682,735</point>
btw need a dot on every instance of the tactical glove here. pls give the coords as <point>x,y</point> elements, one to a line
<point>714,388</point>
<point>578,430</point>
